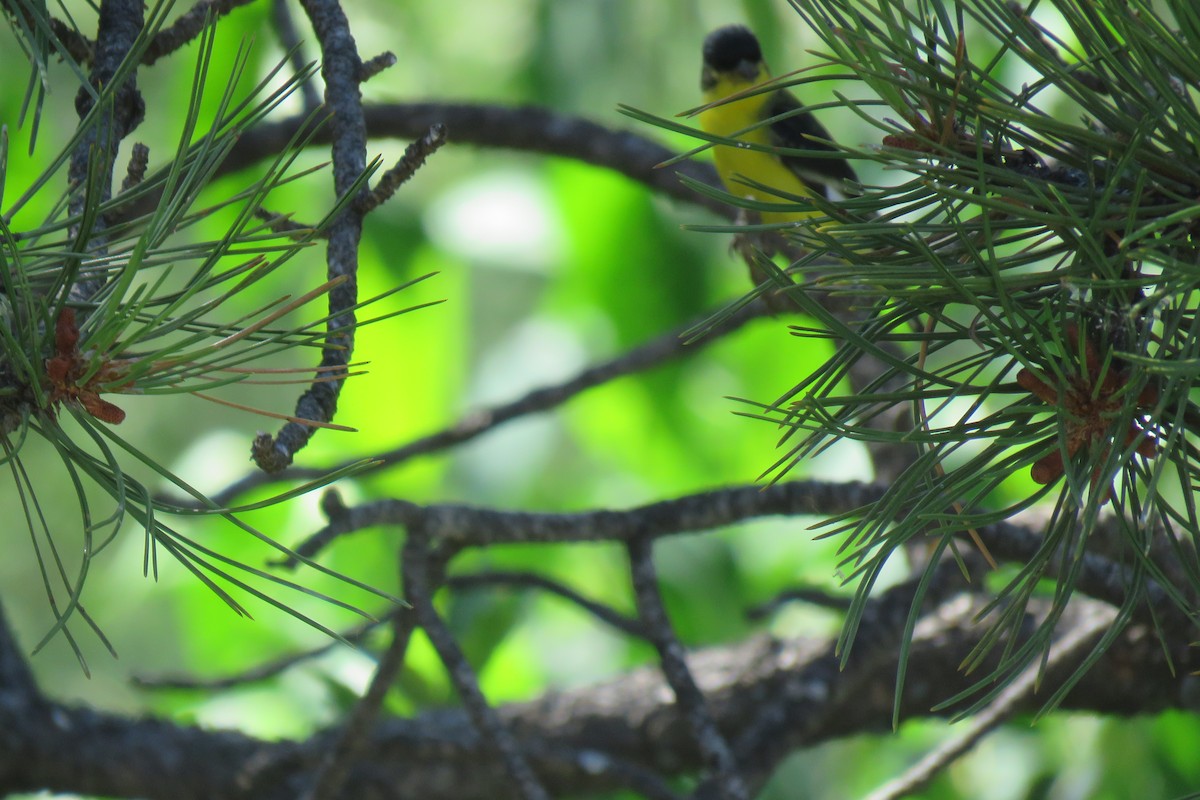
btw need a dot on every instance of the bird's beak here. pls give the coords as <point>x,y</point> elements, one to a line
<point>747,70</point>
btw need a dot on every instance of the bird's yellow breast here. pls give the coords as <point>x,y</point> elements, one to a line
<point>736,165</point>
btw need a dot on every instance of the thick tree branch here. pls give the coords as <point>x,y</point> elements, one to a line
<point>632,721</point>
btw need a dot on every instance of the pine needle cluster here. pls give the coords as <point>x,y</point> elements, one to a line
<point>1024,277</point>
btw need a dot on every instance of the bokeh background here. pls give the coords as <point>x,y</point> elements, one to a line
<point>545,266</point>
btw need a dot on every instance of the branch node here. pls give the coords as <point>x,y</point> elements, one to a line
<point>135,173</point>
<point>413,159</point>
<point>376,65</point>
<point>269,458</point>
<point>332,505</point>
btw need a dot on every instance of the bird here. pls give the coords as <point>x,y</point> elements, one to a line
<point>733,64</point>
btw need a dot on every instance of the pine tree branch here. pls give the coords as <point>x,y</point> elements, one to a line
<point>289,39</point>
<point>337,761</point>
<point>454,527</point>
<point>632,721</point>
<point>187,26</point>
<point>660,350</point>
<point>341,69</point>
<point>524,129</point>
<point>422,573</point>
<point>1022,691</point>
<point>714,749</point>
<point>90,172</point>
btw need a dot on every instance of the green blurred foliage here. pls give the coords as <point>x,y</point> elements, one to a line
<point>582,265</point>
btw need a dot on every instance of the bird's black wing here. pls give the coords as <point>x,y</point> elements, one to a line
<point>803,132</point>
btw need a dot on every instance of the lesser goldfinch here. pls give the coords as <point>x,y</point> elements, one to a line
<point>733,63</point>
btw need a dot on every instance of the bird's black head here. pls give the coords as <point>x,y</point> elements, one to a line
<point>726,48</point>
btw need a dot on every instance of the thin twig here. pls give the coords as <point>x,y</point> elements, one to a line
<point>75,44</point>
<point>413,159</point>
<point>289,40</point>
<point>260,672</point>
<point>331,774</point>
<point>804,708</point>
<point>713,746</point>
<point>659,350</point>
<point>377,64</point>
<point>600,611</point>
<point>814,597</point>
<point>341,67</point>
<point>135,173</point>
<point>420,583</point>
<point>187,26</point>
<point>1004,706</point>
